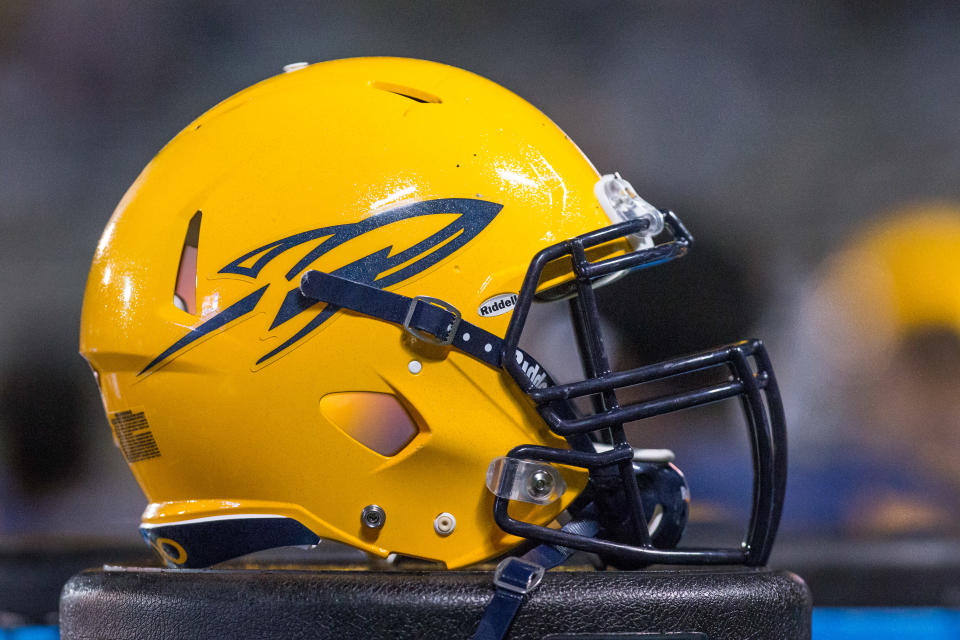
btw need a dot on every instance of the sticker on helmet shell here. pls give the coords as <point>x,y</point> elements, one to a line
<point>134,436</point>
<point>497,305</point>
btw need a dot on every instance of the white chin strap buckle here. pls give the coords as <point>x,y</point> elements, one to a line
<point>621,203</point>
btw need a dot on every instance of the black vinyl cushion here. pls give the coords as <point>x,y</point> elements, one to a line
<point>148,604</point>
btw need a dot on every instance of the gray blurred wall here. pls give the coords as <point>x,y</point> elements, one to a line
<point>774,128</point>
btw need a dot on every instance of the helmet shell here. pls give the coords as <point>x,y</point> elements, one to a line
<point>235,412</point>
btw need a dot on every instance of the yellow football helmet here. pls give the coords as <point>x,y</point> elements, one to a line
<point>888,303</point>
<point>305,314</point>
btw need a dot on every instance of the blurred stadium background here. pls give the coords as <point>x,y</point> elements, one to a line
<point>779,131</point>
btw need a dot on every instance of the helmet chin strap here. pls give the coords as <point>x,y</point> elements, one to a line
<point>515,577</point>
<point>437,322</point>
<point>427,319</point>
<point>662,484</point>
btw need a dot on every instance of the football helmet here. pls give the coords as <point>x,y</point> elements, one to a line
<point>887,301</point>
<point>305,320</point>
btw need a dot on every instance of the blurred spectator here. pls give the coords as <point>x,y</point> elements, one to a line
<point>875,381</point>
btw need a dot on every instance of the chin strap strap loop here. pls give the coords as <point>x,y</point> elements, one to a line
<point>516,577</point>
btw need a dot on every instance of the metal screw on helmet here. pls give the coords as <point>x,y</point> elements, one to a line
<point>540,484</point>
<point>373,516</point>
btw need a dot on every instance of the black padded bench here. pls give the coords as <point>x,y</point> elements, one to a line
<point>689,604</point>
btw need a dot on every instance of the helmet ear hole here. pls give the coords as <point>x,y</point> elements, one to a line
<point>185,287</point>
<point>378,421</point>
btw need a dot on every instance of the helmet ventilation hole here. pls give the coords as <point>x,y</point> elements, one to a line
<point>417,95</point>
<point>378,421</point>
<point>185,286</point>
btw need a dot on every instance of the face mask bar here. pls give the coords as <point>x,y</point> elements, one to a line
<point>616,496</point>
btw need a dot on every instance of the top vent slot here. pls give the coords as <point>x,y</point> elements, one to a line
<point>417,95</point>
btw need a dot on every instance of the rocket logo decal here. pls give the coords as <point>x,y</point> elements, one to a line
<point>304,248</point>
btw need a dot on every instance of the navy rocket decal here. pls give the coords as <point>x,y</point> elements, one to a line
<point>474,216</point>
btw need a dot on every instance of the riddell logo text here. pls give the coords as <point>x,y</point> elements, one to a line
<point>497,305</point>
<point>533,371</point>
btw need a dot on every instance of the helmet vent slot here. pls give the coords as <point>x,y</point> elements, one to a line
<point>417,95</point>
<point>185,286</point>
<point>378,421</point>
